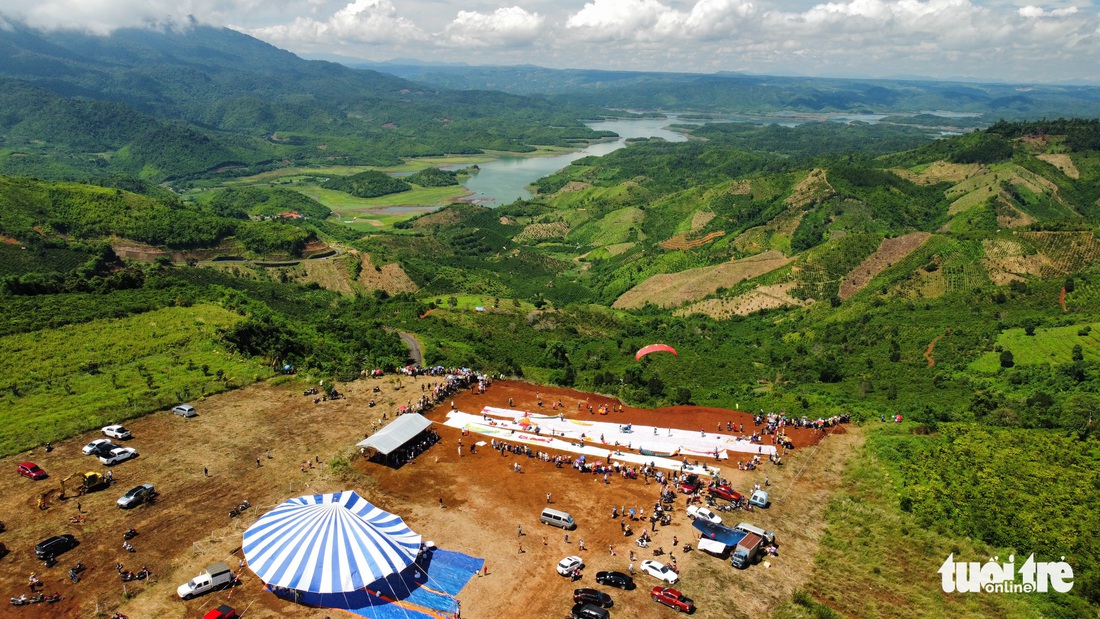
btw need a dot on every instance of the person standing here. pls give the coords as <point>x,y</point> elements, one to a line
<point>548,498</point>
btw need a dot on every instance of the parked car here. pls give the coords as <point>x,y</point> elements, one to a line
<point>94,447</point>
<point>673,599</point>
<point>118,454</point>
<point>30,469</point>
<point>589,611</point>
<point>136,496</point>
<point>103,449</point>
<point>690,484</point>
<point>727,493</point>
<point>216,576</point>
<point>694,511</point>
<point>570,563</point>
<point>592,596</point>
<point>615,579</point>
<point>660,571</point>
<point>222,612</point>
<point>116,431</point>
<point>185,410</point>
<point>54,546</point>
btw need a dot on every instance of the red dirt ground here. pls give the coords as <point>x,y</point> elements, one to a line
<point>484,502</point>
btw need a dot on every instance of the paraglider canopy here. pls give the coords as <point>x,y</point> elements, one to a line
<point>654,348</point>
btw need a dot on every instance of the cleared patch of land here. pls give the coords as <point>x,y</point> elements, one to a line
<point>889,252</point>
<point>673,289</point>
<point>533,233</point>
<point>814,188</point>
<point>771,296</point>
<point>1061,161</point>
<point>940,171</point>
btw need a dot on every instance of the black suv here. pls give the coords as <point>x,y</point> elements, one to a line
<point>55,546</point>
<point>589,611</point>
<point>615,579</point>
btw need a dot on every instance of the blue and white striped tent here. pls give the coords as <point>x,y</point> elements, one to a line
<point>328,543</point>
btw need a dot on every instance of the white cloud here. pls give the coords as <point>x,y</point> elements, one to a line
<point>1038,11</point>
<point>362,21</point>
<point>1011,39</point>
<point>651,20</point>
<point>105,16</point>
<point>512,26</point>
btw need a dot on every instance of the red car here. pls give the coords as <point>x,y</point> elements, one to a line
<point>727,493</point>
<point>690,484</point>
<point>221,612</point>
<point>673,599</point>
<point>30,469</point>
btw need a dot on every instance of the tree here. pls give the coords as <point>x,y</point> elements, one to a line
<point>683,395</point>
<point>1078,353</point>
<point>1006,359</point>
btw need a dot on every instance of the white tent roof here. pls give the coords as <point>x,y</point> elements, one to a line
<point>397,433</point>
<point>328,543</point>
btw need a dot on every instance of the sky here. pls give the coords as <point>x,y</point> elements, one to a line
<point>982,40</point>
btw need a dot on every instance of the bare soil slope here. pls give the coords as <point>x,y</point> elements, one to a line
<point>673,289</point>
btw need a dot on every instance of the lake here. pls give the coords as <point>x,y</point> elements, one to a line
<point>505,180</point>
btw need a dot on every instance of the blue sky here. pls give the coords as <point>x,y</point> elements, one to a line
<point>960,39</point>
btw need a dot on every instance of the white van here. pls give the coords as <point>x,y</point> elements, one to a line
<point>558,519</point>
<point>185,410</point>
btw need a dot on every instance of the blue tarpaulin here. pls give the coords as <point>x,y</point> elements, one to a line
<point>430,584</point>
<point>718,532</point>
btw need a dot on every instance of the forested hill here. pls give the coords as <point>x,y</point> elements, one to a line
<point>742,93</point>
<point>221,100</point>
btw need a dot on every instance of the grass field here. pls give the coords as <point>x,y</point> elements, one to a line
<point>64,381</point>
<point>1052,345</point>
<point>876,561</point>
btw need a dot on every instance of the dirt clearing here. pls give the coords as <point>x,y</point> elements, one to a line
<point>258,443</point>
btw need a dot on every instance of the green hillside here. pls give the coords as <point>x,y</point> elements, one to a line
<point>819,270</point>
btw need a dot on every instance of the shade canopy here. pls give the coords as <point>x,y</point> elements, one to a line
<point>328,543</point>
<point>396,433</point>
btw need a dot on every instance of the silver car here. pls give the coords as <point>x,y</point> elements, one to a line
<point>136,496</point>
<point>185,410</point>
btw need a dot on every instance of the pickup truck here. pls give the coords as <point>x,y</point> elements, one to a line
<point>217,576</point>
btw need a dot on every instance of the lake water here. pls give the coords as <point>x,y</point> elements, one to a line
<point>505,180</point>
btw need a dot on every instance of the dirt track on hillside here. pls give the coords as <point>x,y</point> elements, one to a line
<point>484,501</point>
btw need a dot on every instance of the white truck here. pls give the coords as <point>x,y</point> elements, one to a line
<point>217,576</point>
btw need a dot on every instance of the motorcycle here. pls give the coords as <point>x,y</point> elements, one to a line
<point>53,599</point>
<point>35,599</point>
<point>78,519</point>
<point>236,511</point>
<point>127,575</point>
<point>658,551</point>
<point>310,391</point>
<point>641,543</point>
<point>131,534</point>
<point>128,547</point>
<point>19,601</point>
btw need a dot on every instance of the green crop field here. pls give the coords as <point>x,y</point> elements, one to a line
<point>61,382</point>
<point>1053,345</point>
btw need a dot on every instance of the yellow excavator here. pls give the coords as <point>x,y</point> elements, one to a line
<point>89,482</point>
